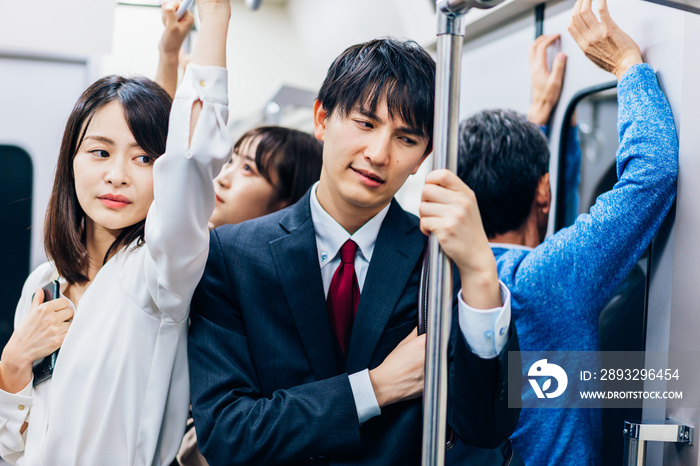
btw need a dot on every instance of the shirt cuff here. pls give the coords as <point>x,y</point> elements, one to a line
<point>363,393</point>
<point>486,331</point>
<point>205,83</point>
<point>15,406</point>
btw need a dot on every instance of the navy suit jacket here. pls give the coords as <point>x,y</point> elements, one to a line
<point>267,385</point>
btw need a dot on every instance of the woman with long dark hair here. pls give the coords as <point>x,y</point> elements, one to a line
<point>126,233</point>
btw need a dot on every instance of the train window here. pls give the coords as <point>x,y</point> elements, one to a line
<point>587,169</point>
<point>16,212</point>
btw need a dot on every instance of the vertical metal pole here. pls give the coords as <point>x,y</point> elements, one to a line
<point>449,49</point>
<point>635,450</point>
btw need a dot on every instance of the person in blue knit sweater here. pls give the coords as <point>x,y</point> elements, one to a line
<point>560,285</point>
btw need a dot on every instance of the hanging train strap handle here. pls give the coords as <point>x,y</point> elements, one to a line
<point>186,4</point>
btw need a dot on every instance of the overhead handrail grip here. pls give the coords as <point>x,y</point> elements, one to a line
<point>459,7</point>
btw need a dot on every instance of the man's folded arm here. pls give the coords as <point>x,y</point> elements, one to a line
<point>478,385</point>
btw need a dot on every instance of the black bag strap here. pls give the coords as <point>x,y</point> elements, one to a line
<point>423,287</point>
<point>423,291</point>
<point>510,455</point>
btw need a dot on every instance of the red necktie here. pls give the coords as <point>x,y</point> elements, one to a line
<point>343,295</point>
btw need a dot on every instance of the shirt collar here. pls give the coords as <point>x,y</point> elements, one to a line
<point>330,235</point>
<point>510,246</point>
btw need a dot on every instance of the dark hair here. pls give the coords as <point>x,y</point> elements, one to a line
<point>400,71</point>
<point>295,157</point>
<point>501,158</point>
<point>146,108</point>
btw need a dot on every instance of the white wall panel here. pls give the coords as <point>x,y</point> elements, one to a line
<point>72,27</point>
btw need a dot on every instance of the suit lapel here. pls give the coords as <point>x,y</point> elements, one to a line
<point>396,253</point>
<point>296,261</point>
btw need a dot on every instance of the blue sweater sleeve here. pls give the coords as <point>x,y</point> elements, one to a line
<point>574,272</point>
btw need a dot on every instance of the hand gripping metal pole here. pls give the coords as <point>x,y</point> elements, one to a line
<point>449,52</point>
<point>449,47</point>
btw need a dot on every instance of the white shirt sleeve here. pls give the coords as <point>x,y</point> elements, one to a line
<point>486,331</point>
<point>177,236</point>
<point>14,408</point>
<point>363,393</point>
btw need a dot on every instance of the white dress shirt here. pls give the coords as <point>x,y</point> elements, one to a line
<point>119,394</point>
<point>486,331</point>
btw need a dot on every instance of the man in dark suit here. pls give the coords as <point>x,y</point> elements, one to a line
<point>303,346</point>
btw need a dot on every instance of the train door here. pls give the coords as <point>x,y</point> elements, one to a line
<point>37,92</point>
<point>16,180</point>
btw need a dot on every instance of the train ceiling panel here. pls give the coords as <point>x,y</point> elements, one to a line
<point>692,6</point>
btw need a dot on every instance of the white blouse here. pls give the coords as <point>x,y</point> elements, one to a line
<point>119,394</point>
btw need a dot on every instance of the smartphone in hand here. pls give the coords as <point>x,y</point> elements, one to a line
<point>43,368</point>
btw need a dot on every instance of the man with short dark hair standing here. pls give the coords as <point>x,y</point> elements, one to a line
<point>303,346</point>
